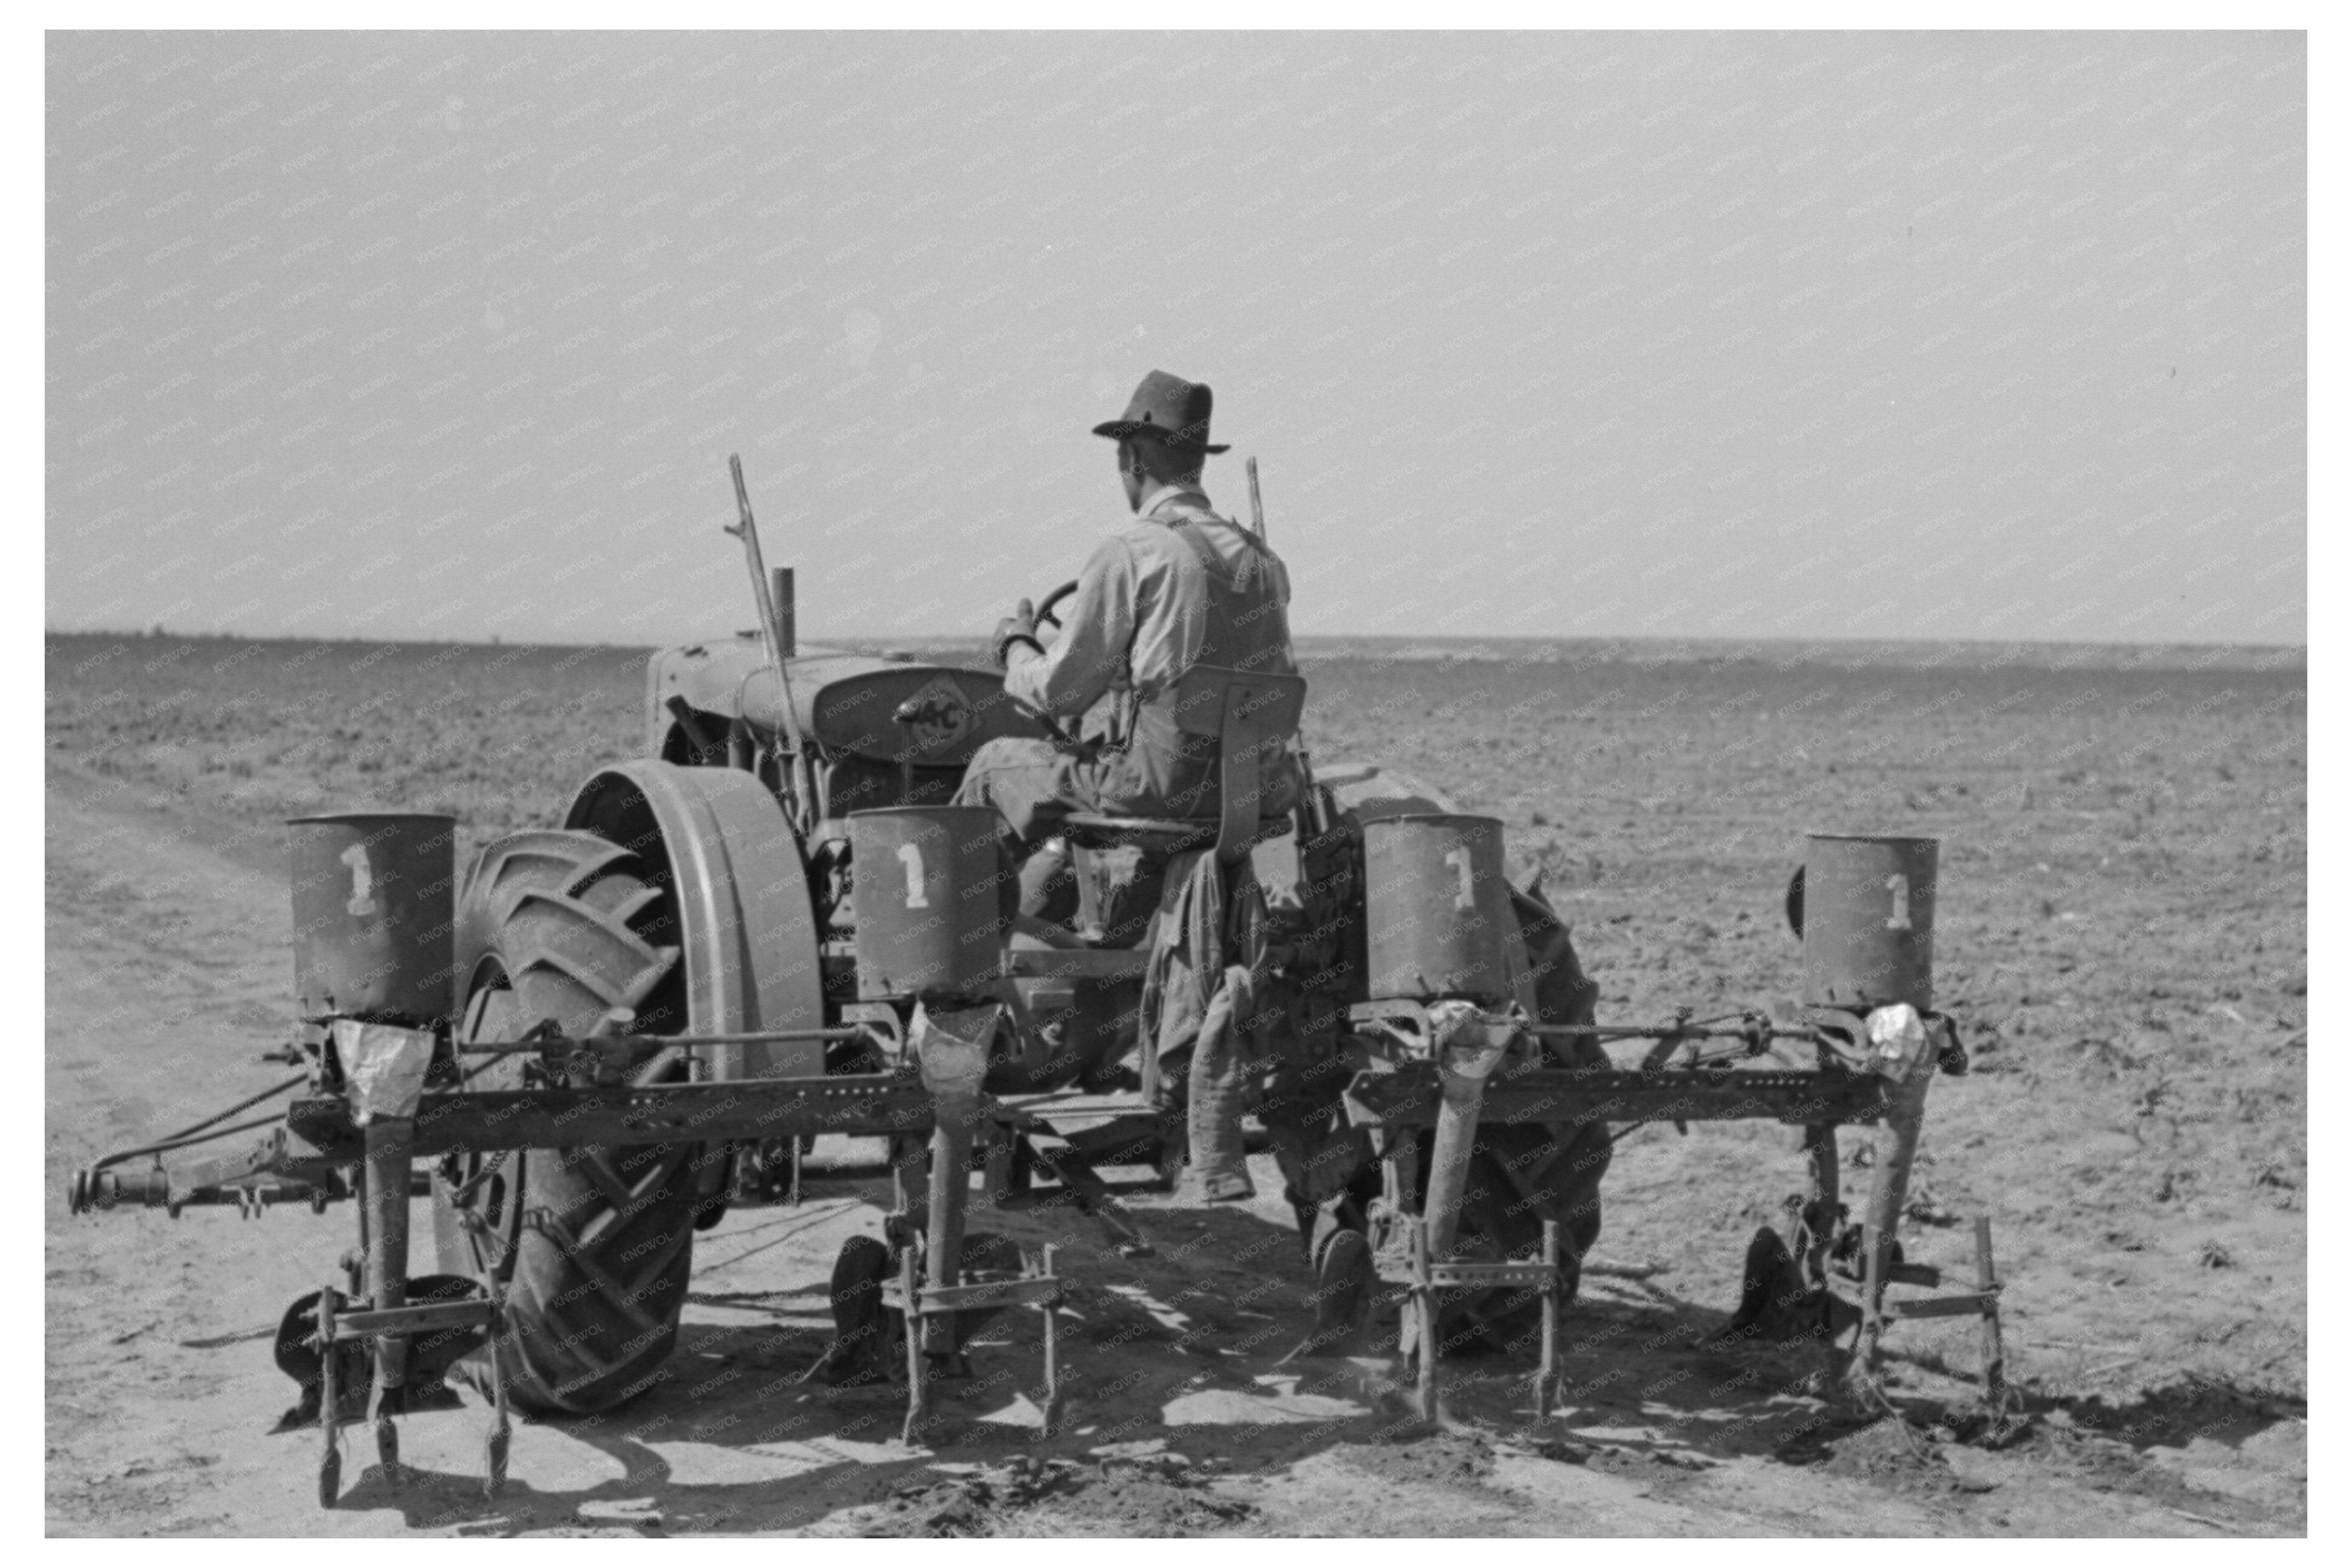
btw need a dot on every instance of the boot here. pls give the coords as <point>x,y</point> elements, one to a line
<point>1344,1278</point>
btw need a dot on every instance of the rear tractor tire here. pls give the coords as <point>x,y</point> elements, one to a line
<point>597,1241</point>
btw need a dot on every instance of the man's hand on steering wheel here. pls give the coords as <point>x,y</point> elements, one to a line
<point>1021,626</point>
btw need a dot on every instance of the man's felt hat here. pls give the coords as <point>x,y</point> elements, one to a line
<point>1167,408</point>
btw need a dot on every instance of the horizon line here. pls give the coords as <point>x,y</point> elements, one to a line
<point>853,641</point>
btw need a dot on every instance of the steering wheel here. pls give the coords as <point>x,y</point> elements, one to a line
<point>1047,606</point>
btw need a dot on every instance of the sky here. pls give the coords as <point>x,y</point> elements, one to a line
<point>1982,336</point>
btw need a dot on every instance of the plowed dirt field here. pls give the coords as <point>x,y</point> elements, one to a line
<point>2121,929</point>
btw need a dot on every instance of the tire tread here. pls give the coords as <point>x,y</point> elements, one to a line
<point>602,1237</point>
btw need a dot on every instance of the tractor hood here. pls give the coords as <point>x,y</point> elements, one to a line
<point>846,701</point>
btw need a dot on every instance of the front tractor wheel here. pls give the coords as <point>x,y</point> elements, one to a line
<point>596,1242</point>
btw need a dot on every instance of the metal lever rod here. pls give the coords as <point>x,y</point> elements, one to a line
<point>771,633</point>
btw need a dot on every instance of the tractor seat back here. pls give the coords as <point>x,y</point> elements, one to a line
<point>1250,714</point>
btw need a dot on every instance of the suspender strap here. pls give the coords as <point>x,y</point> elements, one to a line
<point>1227,585</point>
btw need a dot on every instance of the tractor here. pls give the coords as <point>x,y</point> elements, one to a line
<point>775,925</point>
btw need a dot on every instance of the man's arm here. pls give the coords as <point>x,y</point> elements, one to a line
<point>1097,628</point>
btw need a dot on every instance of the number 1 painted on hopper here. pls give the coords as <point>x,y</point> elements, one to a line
<point>1459,858</point>
<point>912,855</point>
<point>363,900</point>
<point>1900,886</point>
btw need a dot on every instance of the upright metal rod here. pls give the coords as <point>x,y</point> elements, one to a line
<point>355,1264</point>
<point>910,1287</point>
<point>331,1455</point>
<point>1051,1409</point>
<point>771,633</point>
<point>1898,1143</point>
<point>910,1195</point>
<point>1449,1158</point>
<point>951,1181</point>
<point>1995,1367</point>
<point>1821,1201</point>
<point>1425,1297</point>
<point>1464,1060</point>
<point>1257,503</point>
<point>781,595</point>
<point>501,1435</point>
<point>1548,1366</point>
<point>951,1053</point>
<point>1401,1171</point>
<point>390,1141</point>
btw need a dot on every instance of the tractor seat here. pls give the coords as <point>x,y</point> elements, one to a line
<point>1157,835</point>
<point>1247,713</point>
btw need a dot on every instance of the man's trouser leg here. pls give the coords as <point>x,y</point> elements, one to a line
<point>1201,1010</point>
<point>1031,786</point>
<point>1217,1092</point>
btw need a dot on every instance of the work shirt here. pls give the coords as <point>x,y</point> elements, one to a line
<point>1141,613</point>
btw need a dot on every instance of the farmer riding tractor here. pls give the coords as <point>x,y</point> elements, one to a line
<point>776,927</point>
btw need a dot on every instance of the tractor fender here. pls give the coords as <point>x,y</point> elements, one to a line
<point>722,844</point>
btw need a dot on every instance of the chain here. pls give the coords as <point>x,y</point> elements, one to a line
<point>461,1195</point>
